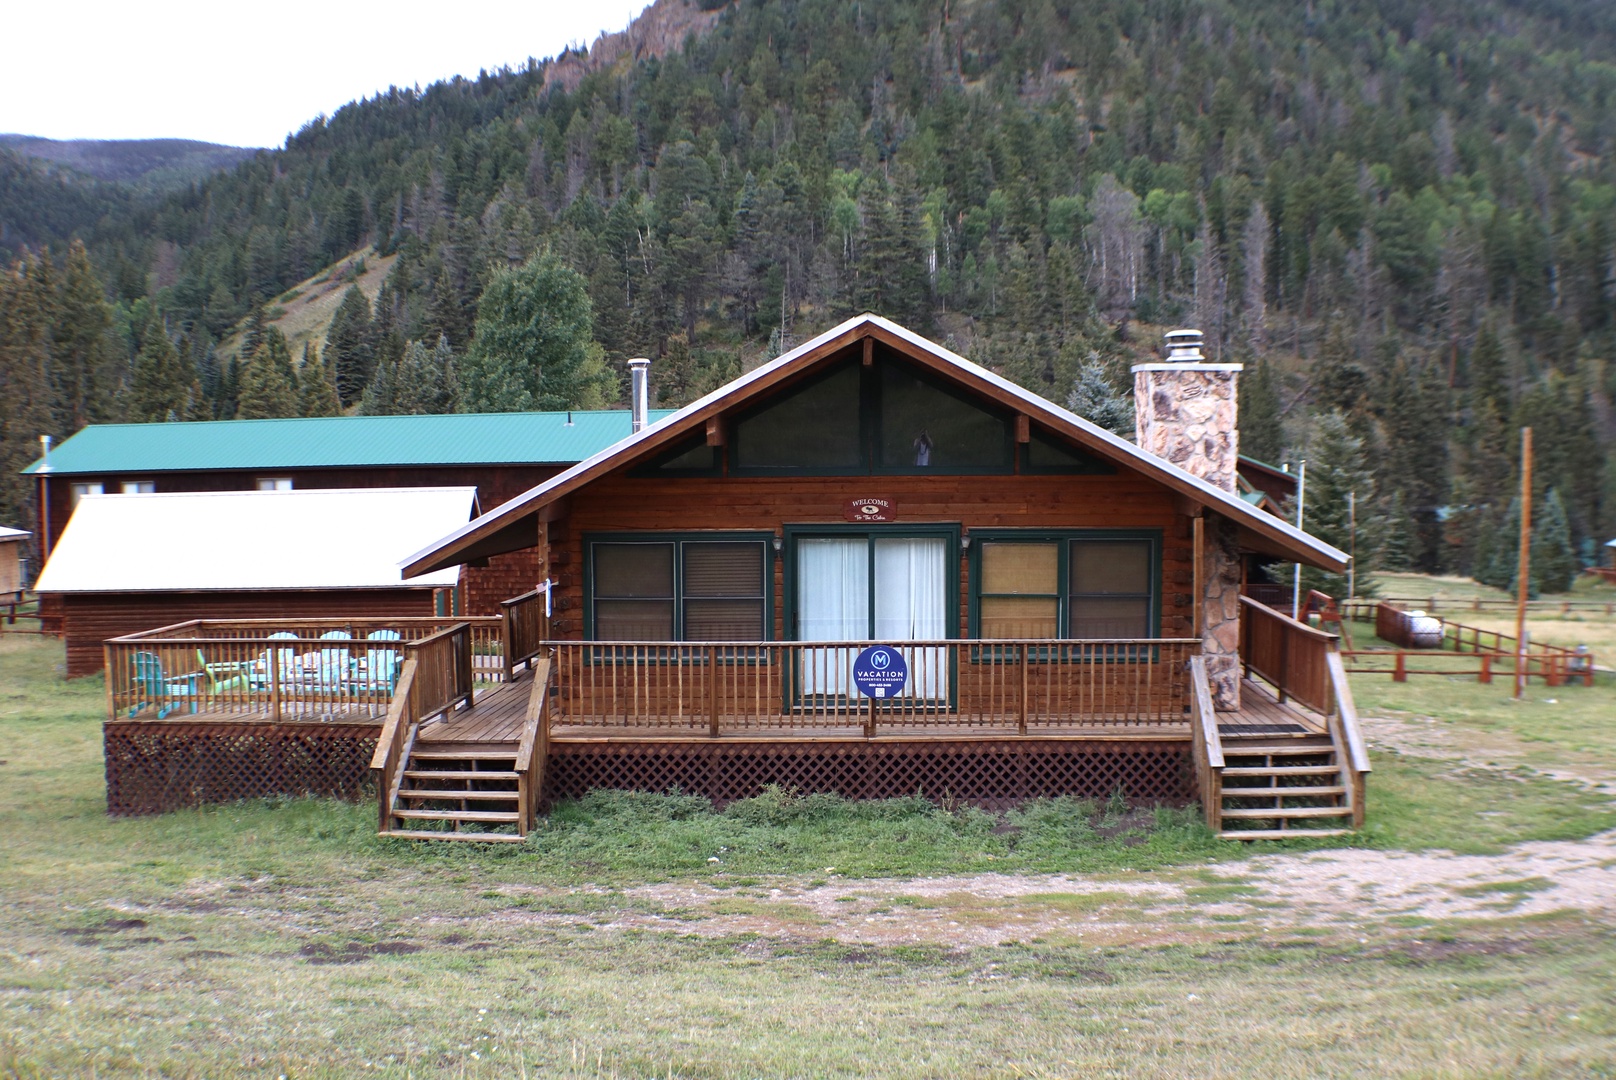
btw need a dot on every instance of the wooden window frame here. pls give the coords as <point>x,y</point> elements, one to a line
<point>678,540</point>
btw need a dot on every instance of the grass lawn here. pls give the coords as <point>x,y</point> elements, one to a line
<point>283,937</point>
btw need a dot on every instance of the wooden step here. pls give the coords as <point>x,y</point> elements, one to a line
<point>1270,792</point>
<point>459,774</point>
<point>462,755</point>
<point>1292,812</point>
<point>1279,834</point>
<point>492,816</point>
<point>1281,770</point>
<point>432,793</point>
<point>479,837</point>
<point>1299,748</point>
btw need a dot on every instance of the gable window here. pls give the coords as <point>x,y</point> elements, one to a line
<point>1082,586</point>
<point>274,483</point>
<point>679,589</point>
<point>81,490</point>
<point>887,417</point>
<point>139,487</point>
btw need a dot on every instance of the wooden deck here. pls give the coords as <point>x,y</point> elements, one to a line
<point>497,715</point>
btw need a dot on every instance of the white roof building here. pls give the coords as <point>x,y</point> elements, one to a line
<point>353,538</point>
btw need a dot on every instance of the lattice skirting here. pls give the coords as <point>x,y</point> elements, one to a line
<point>988,774</point>
<point>156,767</point>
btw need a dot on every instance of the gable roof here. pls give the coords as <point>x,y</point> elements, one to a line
<point>242,540</point>
<point>524,438</point>
<point>1259,530</point>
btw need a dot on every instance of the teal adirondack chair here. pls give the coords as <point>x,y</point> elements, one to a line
<point>333,665</point>
<point>156,686</point>
<point>382,664</point>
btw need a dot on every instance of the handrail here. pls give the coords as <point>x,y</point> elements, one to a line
<point>1287,653</point>
<point>1346,735</point>
<point>392,745</point>
<point>524,630</point>
<point>533,752</point>
<point>1206,745</point>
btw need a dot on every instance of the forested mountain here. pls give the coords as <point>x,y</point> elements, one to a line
<point>1400,214</point>
<point>145,164</point>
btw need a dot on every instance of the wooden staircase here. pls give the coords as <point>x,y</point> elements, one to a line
<point>458,792</point>
<point>1282,786</point>
<point>469,783</point>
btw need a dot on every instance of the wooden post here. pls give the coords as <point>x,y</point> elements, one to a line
<point>1486,675</point>
<point>712,691</point>
<point>1400,673</point>
<point>869,723</point>
<point>1021,719</point>
<point>275,681</point>
<point>1523,584</point>
<point>1198,585</point>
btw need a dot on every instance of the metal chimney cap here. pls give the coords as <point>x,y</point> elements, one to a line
<point>1183,346</point>
<point>639,362</point>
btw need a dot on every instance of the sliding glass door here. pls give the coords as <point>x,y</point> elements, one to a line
<point>864,588</point>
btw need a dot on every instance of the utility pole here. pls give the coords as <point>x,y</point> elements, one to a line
<point>1524,574</point>
<point>1352,544</point>
<point>1301,501</point>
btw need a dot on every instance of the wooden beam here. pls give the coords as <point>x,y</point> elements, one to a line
<point>1198,594</point>
<point>869,351</point>
<point>715,431</point>
<point>1023,428</point>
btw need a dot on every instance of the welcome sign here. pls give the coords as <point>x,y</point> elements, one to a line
<point>870,509</point>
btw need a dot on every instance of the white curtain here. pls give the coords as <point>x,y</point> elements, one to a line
<point>833,604</point>
<point>911,604</point>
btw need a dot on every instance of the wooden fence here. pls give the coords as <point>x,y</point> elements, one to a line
<point>1024,686</point>
<point>527,625</point>
<point>1466,651</point>
<point>1362,608</point>
<point>1288,654</point>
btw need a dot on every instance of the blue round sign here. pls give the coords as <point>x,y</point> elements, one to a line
<point>880,671</point>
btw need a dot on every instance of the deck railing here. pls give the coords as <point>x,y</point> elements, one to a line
<point>280,669</point>
<point>731,688</point>
<point>526,627</point>
<point>436,677</point>
<point>1286,653</point>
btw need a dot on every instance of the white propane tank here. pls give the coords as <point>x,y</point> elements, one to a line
<point>1424,631</point>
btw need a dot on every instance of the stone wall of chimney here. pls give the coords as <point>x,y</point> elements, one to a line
<point>1187,414</point>
<point>1220,595</point>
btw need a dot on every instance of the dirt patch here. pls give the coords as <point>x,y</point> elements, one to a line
<point>354,952</point>
<point>1429,737</point>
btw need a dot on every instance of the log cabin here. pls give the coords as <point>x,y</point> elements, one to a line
<point>870,567</point>
<point>11,569</point>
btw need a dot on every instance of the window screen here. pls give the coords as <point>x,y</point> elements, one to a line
<point>1109,587</point>
<point>925,427</point>
<point>634,592</point>
<point>814,427</point>
<point>724,595</point>
<point>693,590</point>
<point>1020,591</point>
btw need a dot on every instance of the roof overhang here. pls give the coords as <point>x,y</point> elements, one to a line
<point>1258,530</point>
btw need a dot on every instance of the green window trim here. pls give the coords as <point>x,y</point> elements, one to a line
<point>678,540</point>
<point>1063,595</point>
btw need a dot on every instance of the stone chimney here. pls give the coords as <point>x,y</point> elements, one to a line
<point>1185,413</point>
<point>1184,410</point>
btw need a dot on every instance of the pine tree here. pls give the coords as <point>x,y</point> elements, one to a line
<point>1095,398</point>
<point>1487,372</point>
<point>426,381</point>
<point>85,363</point>
<point>25,389</point>
<point>381,396</point>
<point>534,345</point>
<point>350,346</point>
<point>316,386</point>
<point>266,393</point>
<point>160,380</point>
<point>1554,560</point>
<point>1261,434</point>
<point>1336,467</point>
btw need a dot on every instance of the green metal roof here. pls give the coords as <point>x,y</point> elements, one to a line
<point>342,441</point>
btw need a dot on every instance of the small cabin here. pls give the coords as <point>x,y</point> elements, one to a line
<point>868,567</point>
<point>12,563</point>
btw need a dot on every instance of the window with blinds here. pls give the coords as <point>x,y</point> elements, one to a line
<point>1020,591</point>
<point>679,590</point>
<point>1071,587</point>
<point>1109,589</point>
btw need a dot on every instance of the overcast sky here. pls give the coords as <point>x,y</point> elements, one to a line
<point>250,74</point>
